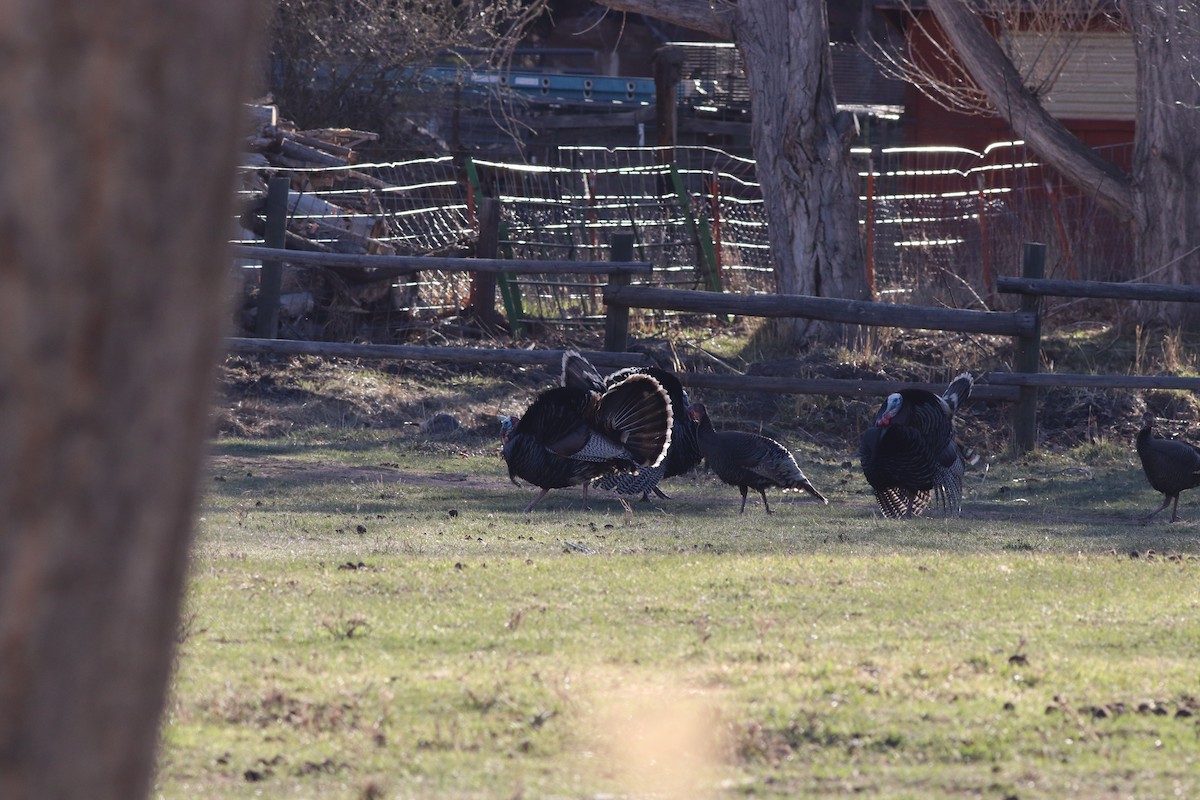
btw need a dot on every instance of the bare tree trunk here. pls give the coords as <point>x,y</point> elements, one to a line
<point>801,142</point>
<point>1167,148</point>
<point>801,145</point>
<point>115,197</point>
<point>1162,199</point>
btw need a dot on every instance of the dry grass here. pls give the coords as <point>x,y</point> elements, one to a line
<point>370,615</point>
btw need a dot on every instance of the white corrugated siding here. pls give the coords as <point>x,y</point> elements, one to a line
<point>1094,81</point>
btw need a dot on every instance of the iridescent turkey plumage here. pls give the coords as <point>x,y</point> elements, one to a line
<point>910,455</point>
<point>570,436</point>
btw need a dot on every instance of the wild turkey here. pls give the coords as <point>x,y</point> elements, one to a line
<point>909,455</point>
<point>683,455</point>
<point>1171,466</point>
<point>569,436</point>
<point>749,460</point>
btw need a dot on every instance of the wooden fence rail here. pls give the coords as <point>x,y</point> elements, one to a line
<point>1019,387</point>
<point>1059,379</point>
<point>550,359</point>
<point>399,352</point>
<point>855,312</point>
<point>874,390</point>
<point>394,266</point>
<point>1100,290</point>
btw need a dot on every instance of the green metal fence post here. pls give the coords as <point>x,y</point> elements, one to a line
<point>706,255</point>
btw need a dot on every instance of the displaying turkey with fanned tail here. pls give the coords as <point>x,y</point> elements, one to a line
<point>683,454</point>
<point>570,435</point>
<point>1170,465</point>
<point>749,460</point>
<point>910,456</point>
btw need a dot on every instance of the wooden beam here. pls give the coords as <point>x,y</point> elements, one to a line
<point>842,387</point>
<point>1000,386</point>
<point>270,278</point>
<point>1059,380</point>
<point>668,68</point>
<point>716,19</point>
<point>616,119</point>
<point>1100,289</point>
<point>719,127</point>
<point>857,312</point>
<point>406,265</point>
<point>616,321</point>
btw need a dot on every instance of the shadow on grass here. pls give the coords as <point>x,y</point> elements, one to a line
<point>1021,510</point>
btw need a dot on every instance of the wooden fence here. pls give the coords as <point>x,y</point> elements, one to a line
<point>1019,387</point>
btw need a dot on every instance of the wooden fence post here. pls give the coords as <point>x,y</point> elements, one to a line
<point>270,278</point>
<point>668,69</point>
<point>616,320</point>
<point>1029,355</point>
<point>483,284</point>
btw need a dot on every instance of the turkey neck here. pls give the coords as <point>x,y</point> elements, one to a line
<point>1144,436</point>
<point>715,446</point>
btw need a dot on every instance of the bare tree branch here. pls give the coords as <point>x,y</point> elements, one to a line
<point>351,63</point>
<point>994,72</point>
<point>1056,25</point>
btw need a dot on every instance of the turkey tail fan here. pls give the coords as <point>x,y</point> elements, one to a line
<point>959,391</point>
<point>637,413</point>
<point>579,373</point>
<point>674,389</point>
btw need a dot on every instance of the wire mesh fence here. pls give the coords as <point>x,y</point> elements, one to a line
<point>939,224</point>
<point>940,216</point>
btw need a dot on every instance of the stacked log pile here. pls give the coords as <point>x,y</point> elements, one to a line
<point>331,207</point>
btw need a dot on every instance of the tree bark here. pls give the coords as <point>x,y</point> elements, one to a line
<point>801,146</point>
<point>995,74</point>
<point>1167,148</point>
<point>801,142</point>
<point>1162,198</point>
<point>120,127</point>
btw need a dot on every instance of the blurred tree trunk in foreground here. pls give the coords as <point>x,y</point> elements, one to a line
<point>120,121</point>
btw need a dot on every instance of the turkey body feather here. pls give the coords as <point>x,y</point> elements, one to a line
<point>749,460</point>
<point>683,454</point>
<point>1170,465</point>
<point>570,435</point>
<point>910,456</point>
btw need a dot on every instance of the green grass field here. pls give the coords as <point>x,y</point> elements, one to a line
<point>371,616</point>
